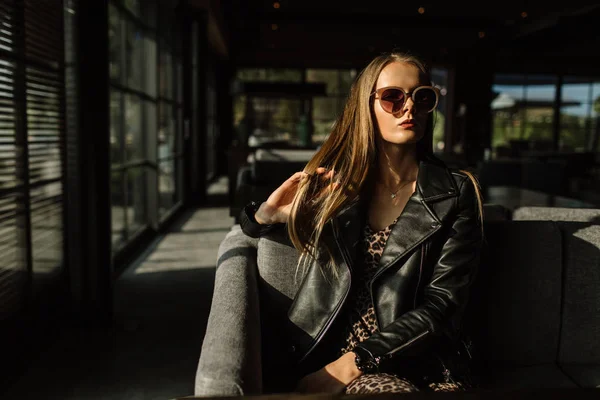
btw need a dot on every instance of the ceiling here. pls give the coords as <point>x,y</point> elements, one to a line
<point>338,33</point>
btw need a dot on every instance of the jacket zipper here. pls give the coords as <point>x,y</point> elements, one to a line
<point>339,305</point>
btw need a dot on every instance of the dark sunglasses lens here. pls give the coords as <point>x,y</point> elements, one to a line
<point>426,99</point>
<point>392,100</point>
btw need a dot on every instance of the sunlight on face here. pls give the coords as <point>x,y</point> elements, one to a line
<point>393,127</point>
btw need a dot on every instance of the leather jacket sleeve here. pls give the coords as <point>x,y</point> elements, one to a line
<point>249,225</point>
<point>446,295</point>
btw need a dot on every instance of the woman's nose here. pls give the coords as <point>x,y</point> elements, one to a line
<point>409,105</point>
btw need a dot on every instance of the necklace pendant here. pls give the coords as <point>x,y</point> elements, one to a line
<point>393,195</point>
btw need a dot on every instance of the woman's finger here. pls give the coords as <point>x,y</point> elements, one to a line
<point>299,175</point>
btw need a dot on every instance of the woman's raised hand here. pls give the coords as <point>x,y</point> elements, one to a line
<point>277,207</point>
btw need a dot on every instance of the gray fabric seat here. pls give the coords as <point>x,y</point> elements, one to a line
<point>556,214</point>
<point>254,287</point>
<point>517,301</point>
<point>579,351</point>
<point>548,376</point>
<point>230,361</point>
<point>587,376</point>
<point>534,310</point>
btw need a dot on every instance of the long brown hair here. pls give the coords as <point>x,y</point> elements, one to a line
<point>350,151</point>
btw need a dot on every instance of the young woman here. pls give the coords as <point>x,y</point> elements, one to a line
<point>389,241</point>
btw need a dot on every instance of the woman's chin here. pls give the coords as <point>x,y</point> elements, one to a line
<point>404,136</point>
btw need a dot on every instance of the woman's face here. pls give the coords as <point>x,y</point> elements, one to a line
<point>408,124</point>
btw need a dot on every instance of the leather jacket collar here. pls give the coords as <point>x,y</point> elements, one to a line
<point>434,183</point>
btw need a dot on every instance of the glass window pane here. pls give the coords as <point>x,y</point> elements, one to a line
<point>179,131</point>
<point>347,77</point>
<point>575,119</point>
<point>150,129</point>
<point>117,199</point>
<point>179,177</point>
<point>439,79</point>
<point>284,75</point>
<point>165,74</point>
<point>327,76</point>
<point>114,42</point>
<point>134,48</point>
<point>149,13</point>
<point>210,149</point>
<point>275,120</point>
<point>134,141</point>
<point>595,115</point>
<point>540,95</point>
<point>251,74</point>
<point>241,123</point>
<point>325,108</point>
<point>116,133</point>
<point>166,186</point>
<point>179,81</point>
<point>134,6</point>
<point>269,75</point>
<point>46,233</point>
<point>166,131</point>
<point>150,67</point>
<point>596,91</point>
<point>137,210</point>
<point>507,109</point>
<point>13,247</point>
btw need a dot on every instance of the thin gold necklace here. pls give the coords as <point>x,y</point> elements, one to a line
<point>393,194</point>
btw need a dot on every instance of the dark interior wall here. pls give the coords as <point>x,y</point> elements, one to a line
<point>473,42</point>
<point>566,45</point>
<point>472,97</point>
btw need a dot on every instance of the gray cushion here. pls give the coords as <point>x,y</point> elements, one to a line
<point>527,377</point>
<point>516,296</point>
<point>587,376</point>
<point>230,359</point>
<point>277,260</point>
<point>580,338</point>
<point>556,214</point>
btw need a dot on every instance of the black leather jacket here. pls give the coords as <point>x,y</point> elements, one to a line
<point>422,286</point>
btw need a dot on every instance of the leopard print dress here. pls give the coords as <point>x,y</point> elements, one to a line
<point>362,323</point>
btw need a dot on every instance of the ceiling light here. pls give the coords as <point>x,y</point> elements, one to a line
<point>421,10</point>
<point>524,14</point>
<point>276,5</point>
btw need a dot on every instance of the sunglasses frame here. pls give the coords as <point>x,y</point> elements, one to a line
<point>411,94</point>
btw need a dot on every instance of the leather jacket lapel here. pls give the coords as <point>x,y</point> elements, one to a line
<point>348,224</point>
<point>415,224</point>
<point>418,220</point>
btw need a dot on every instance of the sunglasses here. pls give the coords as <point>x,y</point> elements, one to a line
<point>392,98</point>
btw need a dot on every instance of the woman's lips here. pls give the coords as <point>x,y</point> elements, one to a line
<point>407,124</point>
